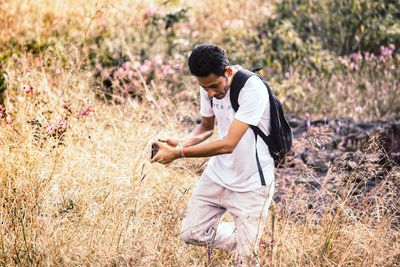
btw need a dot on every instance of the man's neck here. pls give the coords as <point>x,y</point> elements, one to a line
<point>235,69</point>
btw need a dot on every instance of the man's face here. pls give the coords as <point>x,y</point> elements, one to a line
<point>216,86</point>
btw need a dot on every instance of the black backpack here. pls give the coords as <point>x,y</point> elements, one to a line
<point>279,140</point>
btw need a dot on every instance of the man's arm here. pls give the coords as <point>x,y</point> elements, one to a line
<point>168,154</point>
<point>199,134</point>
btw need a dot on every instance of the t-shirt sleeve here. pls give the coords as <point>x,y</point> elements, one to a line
<point>253,100</point>
<point>205,104</point>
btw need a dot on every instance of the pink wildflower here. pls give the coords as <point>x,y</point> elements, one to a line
<point>354,66</point>
<point>62,126</point>
<point>85,112</point>
<point>101,22</point>
<point>167,70</point>
<point>51,127</point>
<point>127,65</point>
<point>185,30</point>
<point>27,89</point>
<point>345,61</point>
<point>130,74</point>
<point>136,65</point>
<point>118,73</point>
<point>263,35</point>
<point>58,126</point>
<point>356,56</point>
<point>4,115</point>
<point>145,67</point>
<point>195,34</point>
<point>372,57</point>
<point>128,88</point>
<point>157,60</point>
<point>149,12</point>
<point>386,52</point>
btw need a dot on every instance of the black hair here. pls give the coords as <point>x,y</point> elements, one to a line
<point>206,59</point>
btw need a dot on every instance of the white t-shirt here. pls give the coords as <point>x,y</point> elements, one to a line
<point>238,171</point>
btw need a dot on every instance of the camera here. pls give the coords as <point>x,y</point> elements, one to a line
<point>154,149</point>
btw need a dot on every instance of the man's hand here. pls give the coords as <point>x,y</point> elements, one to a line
<point>170,141</point>
<point>166,153</point>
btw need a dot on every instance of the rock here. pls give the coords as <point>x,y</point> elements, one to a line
<point>349,135</point>
<point>352,165</point>
<point>361,162</point>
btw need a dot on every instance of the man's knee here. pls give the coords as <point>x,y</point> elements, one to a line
<point>186,232</point>
<point>194,235</point>
<point>186,236</point>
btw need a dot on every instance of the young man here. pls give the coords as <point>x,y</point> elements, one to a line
<point>231,181</point>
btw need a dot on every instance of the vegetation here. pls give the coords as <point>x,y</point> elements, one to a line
<point>85,86</point>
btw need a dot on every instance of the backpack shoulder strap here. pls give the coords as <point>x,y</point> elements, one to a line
<point>237,84</point>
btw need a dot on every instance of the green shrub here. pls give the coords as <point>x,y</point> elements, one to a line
<point>312,32</point>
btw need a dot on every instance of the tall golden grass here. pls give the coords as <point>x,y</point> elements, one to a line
<point>89,196</point>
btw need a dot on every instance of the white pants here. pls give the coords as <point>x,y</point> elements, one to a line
<point>207,206</point>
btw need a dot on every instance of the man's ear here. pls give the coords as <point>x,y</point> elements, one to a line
<point>228,71</point>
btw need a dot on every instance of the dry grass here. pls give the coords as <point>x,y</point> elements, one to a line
<point>88,195</point>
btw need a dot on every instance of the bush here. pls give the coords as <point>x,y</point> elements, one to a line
<point>311,31</point>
